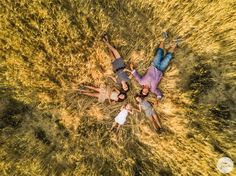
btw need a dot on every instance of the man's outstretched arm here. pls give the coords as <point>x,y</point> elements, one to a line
<point>135,74</point>
<point>157,92</point>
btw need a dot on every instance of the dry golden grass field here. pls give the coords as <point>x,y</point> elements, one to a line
<point>49,48</point>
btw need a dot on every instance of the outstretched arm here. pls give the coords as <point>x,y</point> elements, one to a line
<point>157,120</point>
<point>137,76</point>
<point>114,51</point>
<point>112,77</point>
<point>116,90</point>
<point>135,73</point>
<point>138,109</point>
<point>157,92</point>
<point>109,99</point>
<point>122,107</point>
<point>127,70</point>
<point>131,112</point>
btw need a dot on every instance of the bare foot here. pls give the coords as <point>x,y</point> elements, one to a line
<point>173,44</point>
<point>131,67</point>
<point>105,38</point>
<point>164,35</point>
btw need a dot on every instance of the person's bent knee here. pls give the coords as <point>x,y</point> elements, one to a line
<point>116,54</point>
<point>169,55</point>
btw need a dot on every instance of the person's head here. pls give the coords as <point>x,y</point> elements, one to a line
<point>128,106</point>
<point>144,92</point>
<point>122,96</point>
<point>125,86</point>
<point>138,98</point>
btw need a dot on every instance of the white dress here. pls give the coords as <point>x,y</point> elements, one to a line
<point>121,117</point>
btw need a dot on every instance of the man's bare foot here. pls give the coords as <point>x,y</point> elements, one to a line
<point>173,44</point>
<point>164,35</point>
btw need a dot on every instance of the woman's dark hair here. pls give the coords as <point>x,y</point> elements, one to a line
<point>141,94</point>
<point>138,95</point>
<point>122,93</point>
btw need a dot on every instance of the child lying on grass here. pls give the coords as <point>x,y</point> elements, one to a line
<point>149,111</point>
<point>121,117</point>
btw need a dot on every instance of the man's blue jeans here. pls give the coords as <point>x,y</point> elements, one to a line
<point>160,61</point>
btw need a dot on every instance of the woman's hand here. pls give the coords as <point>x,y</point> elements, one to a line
<point>137,110</point>
<point>130,73</point>
<point>131,67</point>
<point>131,112</point>
<point>109,100</point>
<point>130,76</point>
<point>112,77</point>
<point>127,70</point>
<point>116,90</point>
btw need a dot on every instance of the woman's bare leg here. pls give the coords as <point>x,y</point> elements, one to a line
<point>90,94</point>
<point>154,124</point>
<point>81,90</point>
<point>113,126</point>
<point>157,120</point>
<point>93,88</point>
<point>114,51</point>
<point>118,129</point>
<point>111,55</point>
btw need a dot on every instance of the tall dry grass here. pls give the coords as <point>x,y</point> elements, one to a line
<point>49,48</point>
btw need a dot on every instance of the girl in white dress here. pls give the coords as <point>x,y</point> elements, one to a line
<point>121,117</point>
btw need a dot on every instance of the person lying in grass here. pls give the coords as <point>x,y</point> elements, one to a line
<point>120,119</point>
<point>154,74</point>
<point>149,111</point>
<point>118,67</point>
<point>104,93</point>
